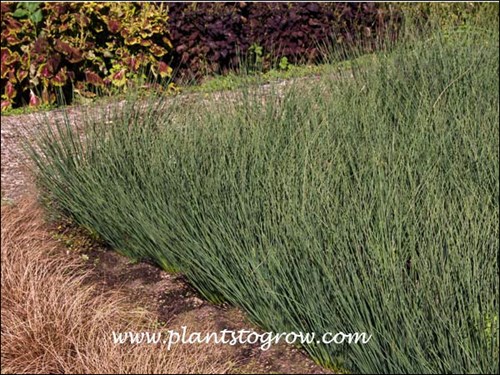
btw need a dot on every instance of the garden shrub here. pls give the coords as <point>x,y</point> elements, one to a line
<point>98,47</point>
<point>207,37</point>
<point>89,46</point>
<point>214,37</point>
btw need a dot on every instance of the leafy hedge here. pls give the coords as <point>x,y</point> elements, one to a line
<point>83,44</point>
<point>211,37</point>
<point>100,46</point>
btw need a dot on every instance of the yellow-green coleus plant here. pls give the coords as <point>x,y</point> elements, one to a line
<point>82,45</point>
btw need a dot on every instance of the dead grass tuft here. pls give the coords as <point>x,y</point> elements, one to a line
<point>52,321</point>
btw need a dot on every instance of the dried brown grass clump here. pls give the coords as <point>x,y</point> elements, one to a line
<point>53,321</point>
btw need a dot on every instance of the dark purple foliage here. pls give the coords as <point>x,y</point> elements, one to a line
<point>210,37</point>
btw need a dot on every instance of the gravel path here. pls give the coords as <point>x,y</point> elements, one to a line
<point>16,179</point>
<point>15,165</point>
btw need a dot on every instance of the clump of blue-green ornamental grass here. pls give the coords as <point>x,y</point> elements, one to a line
<point>363,203</point>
